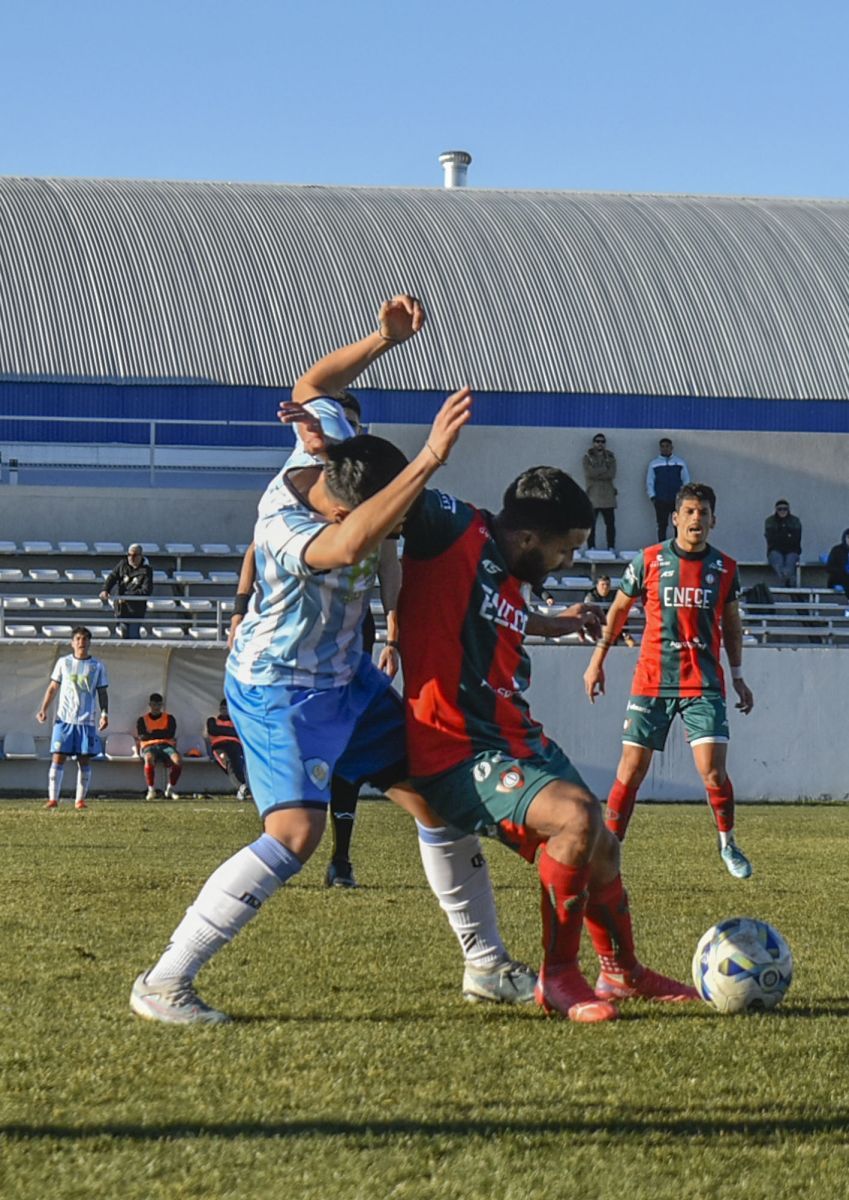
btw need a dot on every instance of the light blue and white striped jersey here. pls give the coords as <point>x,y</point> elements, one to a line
<point>336,428</point>
<point>78,679</point>
<point>303,627</point>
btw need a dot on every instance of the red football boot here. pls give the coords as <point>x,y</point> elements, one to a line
<point>643,983</point>
<point>564,990</point>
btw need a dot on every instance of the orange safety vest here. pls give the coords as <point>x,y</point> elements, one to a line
<point>156,728</point>
<point>218,738</point>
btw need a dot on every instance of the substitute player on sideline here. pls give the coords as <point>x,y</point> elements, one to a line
<point>80,679</point>
<point>689,591</point>
<point>477,755</point>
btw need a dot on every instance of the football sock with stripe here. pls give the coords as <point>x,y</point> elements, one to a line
<point>83,781</point>
<point>343,809</point>
<point>620,806</point>
<point>459,878</point>
<point>150,772</point>
<point>721,801</point>
<point>563,903</point>
<point>232,896</point>
<point>54,780</point>
<point>608,922</point>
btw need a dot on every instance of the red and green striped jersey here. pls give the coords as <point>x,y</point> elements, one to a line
<point>462,621</point>
<point>684,596</point>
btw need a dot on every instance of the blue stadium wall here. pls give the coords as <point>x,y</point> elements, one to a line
<point>214,402</point>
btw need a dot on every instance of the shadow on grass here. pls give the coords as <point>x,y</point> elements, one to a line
<point>742,1127</point>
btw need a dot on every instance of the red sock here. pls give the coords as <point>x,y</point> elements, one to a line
<point>620,805</point>
<point>149,772</point>
<point>721,800</point>
<point>564,899</point>
<point>174,774</point>
<point>608,922</point>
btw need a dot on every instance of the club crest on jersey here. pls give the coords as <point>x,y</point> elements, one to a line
<point>482,771</point>
<point>510,779</point>
<point>318,771</point>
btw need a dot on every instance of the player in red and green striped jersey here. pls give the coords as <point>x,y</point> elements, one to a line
<point>689,591</point>
<point>475,752</point>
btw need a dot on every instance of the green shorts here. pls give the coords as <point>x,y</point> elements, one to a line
<point>648,720</point>
<point>491,793</point>
<point>160,752</point>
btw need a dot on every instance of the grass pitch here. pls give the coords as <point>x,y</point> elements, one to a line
<point>355,1071</point>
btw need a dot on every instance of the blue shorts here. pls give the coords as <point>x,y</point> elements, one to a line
<point>75,740</point>
<point>296,739</point>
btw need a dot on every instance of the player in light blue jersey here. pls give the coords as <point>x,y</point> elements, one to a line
<point>303,697</point>
<point>80,679</point>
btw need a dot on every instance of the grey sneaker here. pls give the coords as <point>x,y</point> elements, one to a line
<point>173,1004</point>
<point>735,861</point>
<point>506,983</point>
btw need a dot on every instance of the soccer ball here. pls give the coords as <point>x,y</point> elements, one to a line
<point>742,965</point>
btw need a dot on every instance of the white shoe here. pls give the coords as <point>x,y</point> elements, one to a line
<point>170,794</point>
<point>242,793</point>
<point>175,1004</point>
<point>150,794</point>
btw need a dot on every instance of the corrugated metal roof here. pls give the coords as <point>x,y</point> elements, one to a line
<point>128,280</point>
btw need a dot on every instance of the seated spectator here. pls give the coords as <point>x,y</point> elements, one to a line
<point>134,578</point>
<point>226,748</point>
<point>783,533</point>
<point>838,564</point>
<point>602,595</point>
<point>156,734</point>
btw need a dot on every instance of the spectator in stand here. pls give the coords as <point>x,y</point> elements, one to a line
<point>78,678</point>
<point>602,595</point>
<point>599,473</point>
<point>666,475</point>
<point>838,564</point>
<point>783,533</point>
<point>134,578</point>
<point>225,747</point>
<point>156,734</point>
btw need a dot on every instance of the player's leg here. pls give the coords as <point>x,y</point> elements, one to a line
<point>149,765</point>
<point>175,769</point>
<point>83,781</point>
<point>343,811</point>
<point>291,743</point>
<point>608,922</point>
<point>56,771</point>
<point>630,773</point>
<point>710,759</point>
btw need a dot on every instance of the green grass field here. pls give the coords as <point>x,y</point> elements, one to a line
<point>354,1068</point>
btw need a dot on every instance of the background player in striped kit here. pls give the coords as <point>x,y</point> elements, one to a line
<point>689,591</point>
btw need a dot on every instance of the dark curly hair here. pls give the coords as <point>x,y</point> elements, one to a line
<point>546,500</point>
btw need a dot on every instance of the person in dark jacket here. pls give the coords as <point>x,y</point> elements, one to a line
<point>783,533</point>
<point>838,564</point>
<point>133,576</point>
<point>665,476</point>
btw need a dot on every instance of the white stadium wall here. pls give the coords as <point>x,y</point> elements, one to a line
<point>792,746</point>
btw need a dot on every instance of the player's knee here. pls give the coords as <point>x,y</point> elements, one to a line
<point>581,821</point>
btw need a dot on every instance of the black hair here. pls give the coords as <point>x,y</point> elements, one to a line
<point>696,491</point>
<point>360,466</point>
<point>81,629</point>
<point>349,401</point>
<point>154,698</point>
<point>546,500</point>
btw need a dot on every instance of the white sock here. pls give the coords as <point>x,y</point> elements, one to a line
<point>232,896</point>
<point>83,781</point>
<point>725,839</point>
<point>54,781</point>
<point>459,878</point>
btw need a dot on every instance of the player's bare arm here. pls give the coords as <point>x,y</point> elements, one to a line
<point>52,689</point>
<point>617,615</point>
<point>583,619</point>
<point>389,580</point>
<point>399,319</point>
<point>247,578</point>
<point>732,637</point>
<point>358,533</point>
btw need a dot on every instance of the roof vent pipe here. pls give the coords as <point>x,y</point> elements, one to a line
<point>455,164</point>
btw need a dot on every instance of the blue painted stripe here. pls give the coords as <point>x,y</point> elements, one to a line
<point>147,402</point>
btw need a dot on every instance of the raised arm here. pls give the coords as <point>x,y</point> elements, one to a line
<point>399,319</point>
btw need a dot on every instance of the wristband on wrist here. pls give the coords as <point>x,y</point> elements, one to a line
<point>394,645</point>
<point>736,672</point>
<point>240,603</point>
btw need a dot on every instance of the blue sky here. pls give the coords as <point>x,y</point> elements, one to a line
<point>731,96</point>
